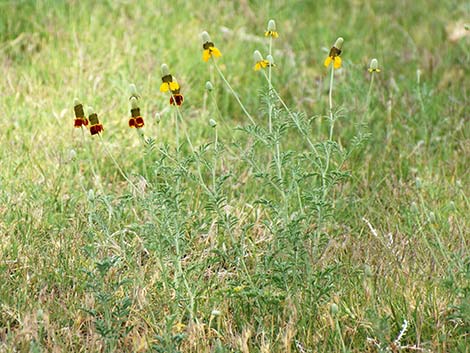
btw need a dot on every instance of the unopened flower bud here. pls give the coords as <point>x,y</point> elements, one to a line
<point>209,86</point>
<point>452,206</point>
<point>257,56</point>
<point>467,27</point>
<point>212,123</point>
<point>339,43</point>
<point>205,37</point>
<point>72,154</point>
<point>272,25</point>
<point>165,70</point>
<point>334,309</point>
<point>158,118</point>
<point>414,207</point>
<point>216,312</point>
<point>432,217</point>
<point>91,195</point>
<point>418,183</point>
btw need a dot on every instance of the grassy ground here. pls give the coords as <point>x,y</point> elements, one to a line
<point>288,239</point>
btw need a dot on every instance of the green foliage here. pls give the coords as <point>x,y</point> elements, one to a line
<point>320,213</point>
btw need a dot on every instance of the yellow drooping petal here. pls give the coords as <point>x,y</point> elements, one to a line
<point>216,52</point>
<point>257,66</point>
<point>273,34</point>
<point>164,87</point>
<point>337,62</point>
<point>174,85</point>
<point>206,55</point>
<point>327,61</point>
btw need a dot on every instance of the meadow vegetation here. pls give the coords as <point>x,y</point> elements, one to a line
<point>325,213</point>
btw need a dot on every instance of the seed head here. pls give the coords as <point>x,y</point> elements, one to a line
<point>205,37</point>
<point>257,56</point>
<point>272,25</point>
<point>134,103</point>
<point>339,43</point>
<point>270,60</point>
<point>374,64</point>
<point>165,70</point>
<point>133,90</point>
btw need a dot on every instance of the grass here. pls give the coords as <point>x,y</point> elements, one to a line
<point>241,237</point>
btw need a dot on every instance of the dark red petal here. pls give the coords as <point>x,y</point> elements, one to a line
<point>131,122</point>
<point>139,121</point>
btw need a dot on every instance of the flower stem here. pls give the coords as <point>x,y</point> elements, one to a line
<point>270,87</point>
<point>214,167</point>
<point>233,92</point>
<point>117,164</point>
<point>293,119</point>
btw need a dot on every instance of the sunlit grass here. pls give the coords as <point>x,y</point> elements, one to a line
<point>279,237</point>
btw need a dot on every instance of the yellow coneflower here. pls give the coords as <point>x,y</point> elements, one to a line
<point>80,119</point>
<point>271,31</point>
<point>374,66</point>
<point>95,126</point>
<point>169,83</point>
<point>334,55</point>
<point>209,48</point>
<point>136,119</point>
<point>260,63</point>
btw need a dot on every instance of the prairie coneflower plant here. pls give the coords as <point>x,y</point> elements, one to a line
<point>210,53</point>
<point>209,49</point>
<point>80,119</point>
<point>136,120</point>
<point>335,59</point>
<point>271,33</point>
<point>260,63</point>
<point>95,126</point>
<point>373,69</point>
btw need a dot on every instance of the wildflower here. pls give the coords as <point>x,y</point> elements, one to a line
<point>374,65</point>
<point>260,63</point>
<point>209,48</point>
<point>80,119</point>
<point>271,31</point>
<point>334,55</point>
<point>176,97</point>
<point>95,127</point>
<point>169,83</point>
<point>136,119</point>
